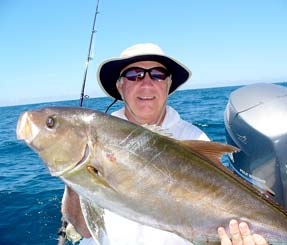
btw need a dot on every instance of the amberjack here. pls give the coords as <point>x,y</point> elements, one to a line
<point>177,186</point>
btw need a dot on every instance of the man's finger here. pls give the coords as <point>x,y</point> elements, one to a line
<point>259,240</point>
<point>246,234</point>
<point>235,232</point>
<point>223,236</point>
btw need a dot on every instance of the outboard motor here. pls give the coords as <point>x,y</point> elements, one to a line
<point>256,122</point>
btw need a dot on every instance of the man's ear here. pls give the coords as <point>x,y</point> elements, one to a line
<point>119,85</point>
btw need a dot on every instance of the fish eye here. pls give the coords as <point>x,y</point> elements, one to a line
<point>50,122</point>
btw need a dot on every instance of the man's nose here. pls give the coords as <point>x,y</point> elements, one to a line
<point>147,79</point>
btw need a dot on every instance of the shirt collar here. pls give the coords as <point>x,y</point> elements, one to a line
<point>171,116</point>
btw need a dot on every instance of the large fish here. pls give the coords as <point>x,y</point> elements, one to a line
<point>177,186</point>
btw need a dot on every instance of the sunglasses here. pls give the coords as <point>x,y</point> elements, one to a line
<point>137,74</point>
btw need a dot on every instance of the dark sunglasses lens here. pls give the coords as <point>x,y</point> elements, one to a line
<point>133,74</point>
<point>137,73</point>
<point>159,74</point>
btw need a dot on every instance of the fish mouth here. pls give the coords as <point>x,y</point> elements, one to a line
<point>77,166</point>
<point>26,130</point>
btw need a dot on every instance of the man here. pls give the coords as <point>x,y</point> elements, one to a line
<point>143,77</point>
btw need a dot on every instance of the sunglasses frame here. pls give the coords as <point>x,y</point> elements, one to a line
<point>140,78</point>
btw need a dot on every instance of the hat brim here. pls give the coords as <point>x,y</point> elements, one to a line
<point>109,72</point>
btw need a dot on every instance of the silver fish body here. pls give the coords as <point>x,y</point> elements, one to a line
<point>152,179</point>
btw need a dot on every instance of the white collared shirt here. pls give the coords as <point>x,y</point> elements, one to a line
<point>175,125</point>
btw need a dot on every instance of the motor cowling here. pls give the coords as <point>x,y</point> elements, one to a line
<point>256,122</point>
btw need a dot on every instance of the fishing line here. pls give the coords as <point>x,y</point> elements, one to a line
<point>89,58</point>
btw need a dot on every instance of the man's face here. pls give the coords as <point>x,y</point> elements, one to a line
<point>146,97</point>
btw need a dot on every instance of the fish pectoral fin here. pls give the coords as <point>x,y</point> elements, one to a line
<point>97,177</point>
<point>211,150</point>
<point>94,217</point>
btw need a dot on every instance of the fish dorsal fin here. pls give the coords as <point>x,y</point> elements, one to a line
<point>211,150</point>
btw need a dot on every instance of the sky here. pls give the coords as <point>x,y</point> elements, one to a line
<point>44,44</point>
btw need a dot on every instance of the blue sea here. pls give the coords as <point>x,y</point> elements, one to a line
<point>31,199</point>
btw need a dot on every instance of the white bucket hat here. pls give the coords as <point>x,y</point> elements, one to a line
<point>109,70</point>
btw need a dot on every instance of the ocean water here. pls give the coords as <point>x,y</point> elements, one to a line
<point>31,199</point>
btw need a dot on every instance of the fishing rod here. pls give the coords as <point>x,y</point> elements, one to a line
<point>62,233</point>
<point>89,58</point>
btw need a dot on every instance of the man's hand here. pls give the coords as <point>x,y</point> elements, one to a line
<point>240,235</point>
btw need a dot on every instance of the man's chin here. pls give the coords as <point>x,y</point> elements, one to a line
<point>147,116</point>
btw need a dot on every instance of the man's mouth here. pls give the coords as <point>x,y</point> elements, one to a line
<point>146,97</point>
